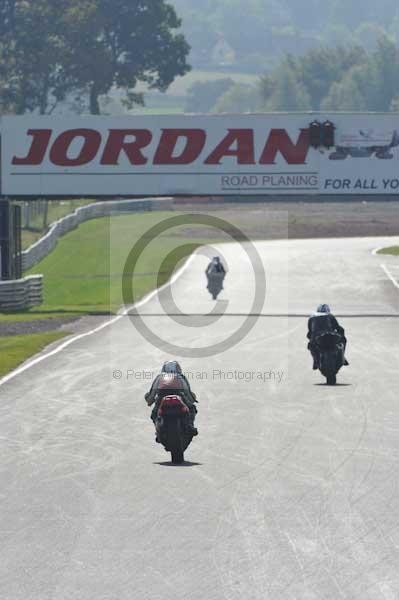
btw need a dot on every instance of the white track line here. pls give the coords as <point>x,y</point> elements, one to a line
<point>385,268</point>
<point>76,338</point>
<point>389,274</point>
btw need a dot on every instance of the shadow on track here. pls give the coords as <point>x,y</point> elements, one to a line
<point>185,464</point>
<point>332,386</point>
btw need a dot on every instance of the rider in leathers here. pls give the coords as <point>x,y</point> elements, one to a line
<point>171,380</point>
<point>323,321</point>
<point>215,266</point>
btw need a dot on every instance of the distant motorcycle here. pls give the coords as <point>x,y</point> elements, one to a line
<point>215,283</point>
<point>171,427</point>
<point>331,352</point>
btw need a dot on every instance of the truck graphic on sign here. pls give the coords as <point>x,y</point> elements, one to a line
<point>365,143</point>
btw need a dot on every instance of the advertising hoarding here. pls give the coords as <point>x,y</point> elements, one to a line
<point>251,154</point>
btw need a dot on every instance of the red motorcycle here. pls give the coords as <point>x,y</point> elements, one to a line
<point>172,427</point>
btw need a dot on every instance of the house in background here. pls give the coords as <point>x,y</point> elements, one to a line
<point>223,53</point>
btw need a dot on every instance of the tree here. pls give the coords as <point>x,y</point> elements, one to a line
<point>271,27</point>
<point>50,49</point>
<point>35,52</point>
<point>321,67</point>
<point>303,82</point>
<point>266,87</point>
<point>203,95</point>
<point>239,98</point>
<point>131,41</point>
<point>289,93</point>
<point>345,95</point>
<point>199,27</point>
<point>385,62</point>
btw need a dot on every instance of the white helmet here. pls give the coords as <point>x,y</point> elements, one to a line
<point>171,366</point>
<point>323,308</point>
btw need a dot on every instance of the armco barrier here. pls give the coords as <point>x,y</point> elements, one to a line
<point>47,243</point>
<point>20,294</point>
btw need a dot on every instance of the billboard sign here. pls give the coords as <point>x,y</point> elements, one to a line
<point>197,155</point>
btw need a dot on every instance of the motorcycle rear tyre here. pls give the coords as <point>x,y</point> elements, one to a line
<point>331,379</point>
<point>175,442</point>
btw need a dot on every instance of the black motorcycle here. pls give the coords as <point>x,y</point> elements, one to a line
<point>215,283</point>
<point>172,426</point>
<point>331,355</point>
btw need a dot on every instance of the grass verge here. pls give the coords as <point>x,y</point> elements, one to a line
<point>85,272</point>
<point>14,350</point>
<point>394,250</point>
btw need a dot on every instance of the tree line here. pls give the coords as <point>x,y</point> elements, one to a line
<point>265,30</point>
<point>53,50</point>
<point>344,78</point>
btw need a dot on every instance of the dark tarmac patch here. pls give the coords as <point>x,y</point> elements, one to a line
<point>8,328</point>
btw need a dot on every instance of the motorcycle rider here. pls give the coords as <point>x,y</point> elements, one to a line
<point>171,380</point>
<point>323,321</point>
<point>215,266</point>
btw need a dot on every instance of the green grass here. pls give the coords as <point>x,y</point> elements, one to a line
<point>56,210</point>
<point>85,271</point>
<point>14,350</point>
<point>392,250</point>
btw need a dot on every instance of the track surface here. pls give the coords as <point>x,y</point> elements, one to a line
<point>291,491</point>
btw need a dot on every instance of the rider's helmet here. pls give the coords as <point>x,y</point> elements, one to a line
<point>216,258</point>
<point>171,366</point>
<point>323,308</point>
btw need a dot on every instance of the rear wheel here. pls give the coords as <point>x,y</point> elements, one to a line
<point>331,379</point>
<point>328,369</point>
<point>177,457</point>
<point>174,441</point>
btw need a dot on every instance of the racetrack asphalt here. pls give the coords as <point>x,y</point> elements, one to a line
<point>289,492</point>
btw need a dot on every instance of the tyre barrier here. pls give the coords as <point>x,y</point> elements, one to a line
<point>21,294</point>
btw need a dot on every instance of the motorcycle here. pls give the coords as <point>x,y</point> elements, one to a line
<point>171,427</point>
<point>215,283</point>
<point>331,351</point>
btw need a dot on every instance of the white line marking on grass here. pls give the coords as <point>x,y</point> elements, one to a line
<point>389,274</point>
<point>76,338</point>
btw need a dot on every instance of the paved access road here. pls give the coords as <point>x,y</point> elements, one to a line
<point>292,487</point>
